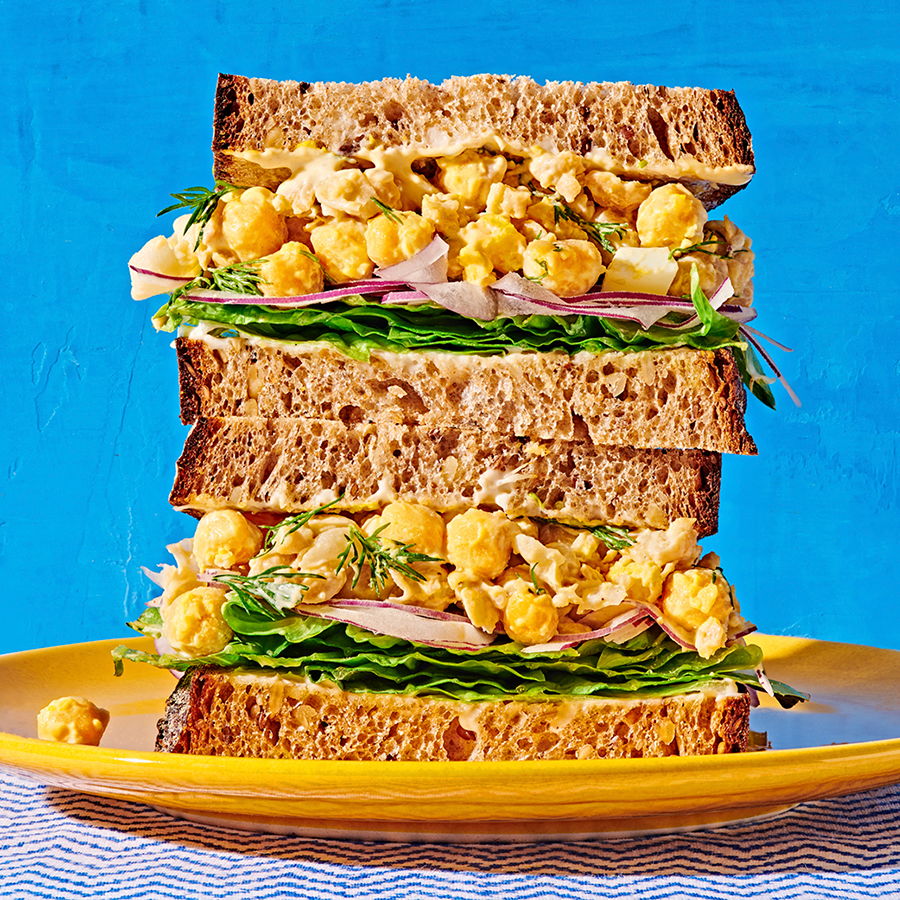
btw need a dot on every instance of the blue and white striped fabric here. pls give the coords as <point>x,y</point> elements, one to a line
<point>63,845</point>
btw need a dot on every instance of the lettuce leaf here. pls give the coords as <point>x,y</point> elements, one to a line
<point>354,659</point>
<point>356,326</point>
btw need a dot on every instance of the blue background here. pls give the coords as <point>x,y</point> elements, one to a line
<point>106,107</point>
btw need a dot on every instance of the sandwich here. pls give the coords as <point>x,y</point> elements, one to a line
<point>460,362</point>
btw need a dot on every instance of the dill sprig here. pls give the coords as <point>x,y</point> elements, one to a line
<point>678,252</point>
<point>368,550</point>
<point>294,523</point>
<point>260,593</point>
<point>238,278</point>
<point>615,537</point>
<point>388,211</point>
<point>539,279</point>
<point>596,231</point>
<point>203,201</point>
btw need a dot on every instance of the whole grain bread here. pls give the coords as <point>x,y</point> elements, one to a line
<point>648,131</point>
<point>220,712</point>
<point>291,465</point>
<point>671,398</point>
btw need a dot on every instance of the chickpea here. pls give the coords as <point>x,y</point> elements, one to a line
<point>341,247</point>
<point>72,720</point>
<point>392,238</point>
<point>251,225</point>
<point>225,539</point>
<point>530,618</point>
<point>671,217</point>
<point>643,582</point>
<point>411,523</point>
<point>690,598</point>
<point>479,542</point>
<point>291,271</point>
<point>568,268</point>
<point>193,622</point>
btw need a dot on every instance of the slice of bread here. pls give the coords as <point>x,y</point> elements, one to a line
<point>290,465</point>
<point>220,712</point>
<point>674,398</point>
<point>685,134</point>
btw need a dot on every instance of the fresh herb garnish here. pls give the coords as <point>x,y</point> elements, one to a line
<point>699,248</point>
<point>538,279</point>
<point>238,278</point>
<point>596,231</point>
<point>293,523</point>
<point>362,550</point>
<point>615,537</point>
<point>387,210</point>
<point>202,201</point>
<point>534,580</point>
<point>260,593</point>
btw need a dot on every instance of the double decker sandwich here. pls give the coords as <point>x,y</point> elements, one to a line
<point>460,362</point>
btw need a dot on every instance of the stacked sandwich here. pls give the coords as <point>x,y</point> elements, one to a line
<point>460,363</point>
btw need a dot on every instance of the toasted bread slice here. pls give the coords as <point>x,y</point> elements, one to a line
<point>291,465</point>
<point>677,398</point>
<point>654,133</point>
<point>220,712</point>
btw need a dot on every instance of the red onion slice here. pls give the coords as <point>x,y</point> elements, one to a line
<point>634,618</point>
<point>337,293</point>
<point>401,624</point>
<point>764,682</point>
<point>166,282</point>
<point>671,630</point>
<point>428,266</point>
<point>762,352</point>
<point>424,612</point>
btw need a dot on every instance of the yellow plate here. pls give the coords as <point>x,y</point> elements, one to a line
<point>847,740</point>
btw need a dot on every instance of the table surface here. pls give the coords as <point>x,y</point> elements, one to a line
<point>60,844</point>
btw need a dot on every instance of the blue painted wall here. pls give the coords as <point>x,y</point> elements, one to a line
<point>106,107</point>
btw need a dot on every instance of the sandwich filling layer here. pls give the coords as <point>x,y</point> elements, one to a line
<point>472,605</point>
<point>481,251</point>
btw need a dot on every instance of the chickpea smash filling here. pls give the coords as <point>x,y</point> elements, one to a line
<point>556,219</point>
<point>523,580</point>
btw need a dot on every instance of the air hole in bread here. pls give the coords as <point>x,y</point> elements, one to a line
<point>660,129</point>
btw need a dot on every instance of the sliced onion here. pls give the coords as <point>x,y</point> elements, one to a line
<point>404,298</point>
<point>628,621</point>
<point>759,349</point>
<point>336,293</point>
<point>424,612</point>
<point>428,266</point>
<point>164,648</point>
<point>159,278</point>
<point>400,623</point>
<point>764,681</point>
<point>669,629</point>
<point>464,298</point>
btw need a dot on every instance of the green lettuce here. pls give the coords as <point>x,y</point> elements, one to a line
<point>356,326</point>
<point>354,659</point>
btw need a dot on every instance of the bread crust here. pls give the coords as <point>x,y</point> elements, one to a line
<point>292,465</point>
<point>639,126</point>
<point>242,713</point>
<point>671,398</point>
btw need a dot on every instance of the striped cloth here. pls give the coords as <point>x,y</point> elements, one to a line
<point>58,844</point>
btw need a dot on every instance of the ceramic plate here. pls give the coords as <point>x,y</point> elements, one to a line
<point>846,740</point>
